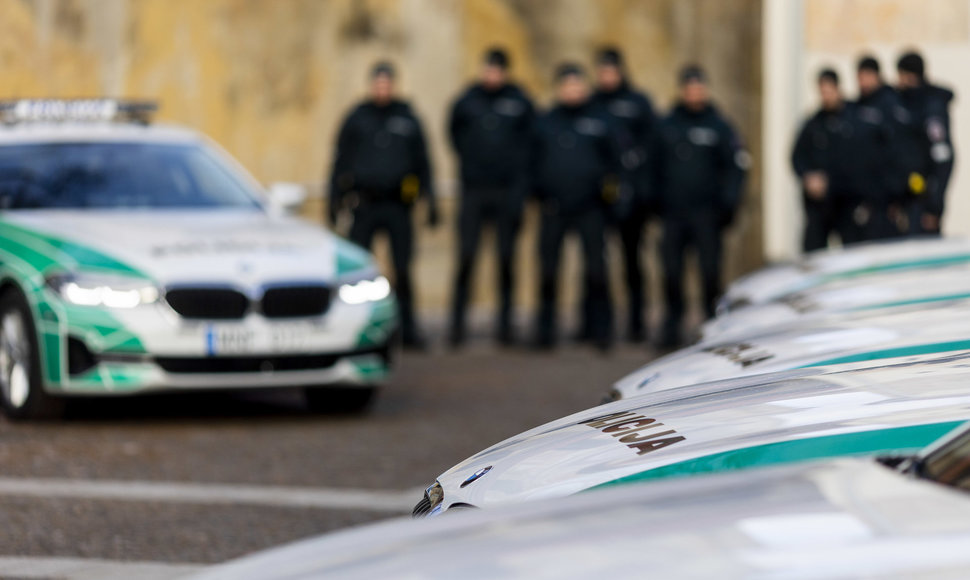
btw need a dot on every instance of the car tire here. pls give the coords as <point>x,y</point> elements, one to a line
<point>338,400</point>
<point>22,394</point>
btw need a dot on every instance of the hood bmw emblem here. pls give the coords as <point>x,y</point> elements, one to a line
<point>475,476</point>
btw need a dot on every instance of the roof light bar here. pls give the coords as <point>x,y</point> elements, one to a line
<point>76,110</point>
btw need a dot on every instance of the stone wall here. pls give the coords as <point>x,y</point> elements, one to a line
<point>834,33</point>
<point>270,80</point>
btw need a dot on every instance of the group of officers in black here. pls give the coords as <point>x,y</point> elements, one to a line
<point>598,162</point>
<point>877,167</point>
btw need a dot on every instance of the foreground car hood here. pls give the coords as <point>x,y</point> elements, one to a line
<point>244,247</point>
<point>854,262</point>
<point>840,519</point>
<point>865,337</point>
<point>732,424</point>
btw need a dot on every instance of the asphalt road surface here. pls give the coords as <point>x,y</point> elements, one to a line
<point>156,487</point>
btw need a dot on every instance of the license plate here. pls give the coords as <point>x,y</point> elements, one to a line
<point>236,340</point>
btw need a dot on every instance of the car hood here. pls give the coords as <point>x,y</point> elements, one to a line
<point>867,337</point>
<point>239,247</point>
<point>732,424</point>
<point>846,298</point>
<point>855,262</point>
<point>846,518</point>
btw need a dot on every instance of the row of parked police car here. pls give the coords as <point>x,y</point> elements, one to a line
<point>814,431</point>
<point>817,430</point>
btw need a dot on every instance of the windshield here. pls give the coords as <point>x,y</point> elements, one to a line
<point>950,463</point>
<point>119,175</point>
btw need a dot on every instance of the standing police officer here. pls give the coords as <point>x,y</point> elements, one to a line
<point>489,128</point>
<point>875,186</point>
<point>701,167</point>
<point>820,160</point>
<point>577,175</point>
<point>926,150</point>
<point>380,170</point>
<point>636,124</point>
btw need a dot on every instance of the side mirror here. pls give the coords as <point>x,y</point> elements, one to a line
<point>286,197</point>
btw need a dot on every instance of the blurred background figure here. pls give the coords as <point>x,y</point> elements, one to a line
<point>576,174</point>
<point>489,126</point>
<point>636,124</point>
<point>820,159</point>
<point>380,170</point>
<point>926,149</point>
<point>701,168</point>
<point>875,191</point>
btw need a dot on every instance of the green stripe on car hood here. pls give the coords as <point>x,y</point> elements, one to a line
<point>896,439</point>
<point>42,251</point>
<point>904,265</point>
<point>913,350</point>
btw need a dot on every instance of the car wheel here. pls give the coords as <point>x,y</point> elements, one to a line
<point>338,399</point>
<point>22,393</point>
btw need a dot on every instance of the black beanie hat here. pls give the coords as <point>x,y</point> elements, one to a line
<point>868,62</point>
<point>568,69</point>
<point>692,73</point>
<point>912,62</point>
<point>609,56</point>
<point>497,57</point>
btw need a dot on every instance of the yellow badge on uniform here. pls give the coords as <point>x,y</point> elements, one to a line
<point>410,188</point>
<point>917,184</point>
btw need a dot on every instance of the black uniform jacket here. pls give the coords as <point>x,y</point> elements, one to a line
<point>636,124</point>
<point>701,164</point>
<point>823,144</point>
<point>377,148</point>
<point>925,143</point>
<point>575,154</point>
<point>490,132</point>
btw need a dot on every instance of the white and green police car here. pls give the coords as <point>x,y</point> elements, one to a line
<point>137,258</point>
<point>845,298</point>
<point>856,262</point>
<point>844,518</point>
<point>736,424</point>
<point>863,338</point>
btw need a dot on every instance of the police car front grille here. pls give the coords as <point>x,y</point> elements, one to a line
<point>263,364</point>
<point>208,303</point>
<point>295,301</point>
<point>221,365</point>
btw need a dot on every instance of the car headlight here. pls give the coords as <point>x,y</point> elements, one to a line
<point>367,290</point>
<point>104,290</point>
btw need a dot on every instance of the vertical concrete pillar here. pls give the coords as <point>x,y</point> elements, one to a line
<point>782,63</point>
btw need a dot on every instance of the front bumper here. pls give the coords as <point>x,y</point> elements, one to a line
<point>117,375</point>
<point>93,351</point>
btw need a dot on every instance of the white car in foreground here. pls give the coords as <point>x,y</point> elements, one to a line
<point>138,258</point>
<point>848,518</point>
<point>715,427</point>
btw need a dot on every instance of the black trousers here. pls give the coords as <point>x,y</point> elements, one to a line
<point>630,230</point>
<point>821,220</point>
<point>701,231</point>
<point>590,227</point>
<point>482,207</point>
<point>394,219</point>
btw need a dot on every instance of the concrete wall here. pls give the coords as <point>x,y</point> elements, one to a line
<point>270,80</point>
<point>802,36</point>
